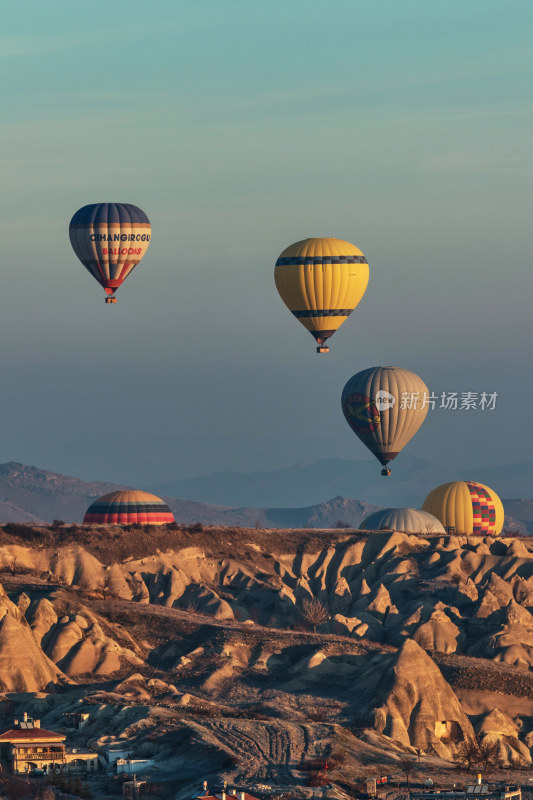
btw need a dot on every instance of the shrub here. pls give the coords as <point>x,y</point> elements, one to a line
<point>15,529</point>
<point>314,612</point>
<point>319,715</point>
<point>318,779</point>
<point>314,765</point>
<point>336,758</point>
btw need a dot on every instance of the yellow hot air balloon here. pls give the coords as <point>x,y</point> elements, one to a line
<point>466,507</point>
<point>321,280</point>
<point>384,407</point>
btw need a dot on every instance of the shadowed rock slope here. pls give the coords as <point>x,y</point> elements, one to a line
<point>24,667</point>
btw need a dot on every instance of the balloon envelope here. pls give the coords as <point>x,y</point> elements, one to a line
<point>405,520</point>
<point>110,239</point>
<point>466,507</point>
<point>384,407</point>
<point>127,507</point>
<point>321,280</point>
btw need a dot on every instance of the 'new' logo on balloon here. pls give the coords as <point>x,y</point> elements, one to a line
<point>384,400</point>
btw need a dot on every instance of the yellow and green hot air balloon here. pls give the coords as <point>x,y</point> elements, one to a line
<point>321,280</point>
<point>466,507</point>
<point>384,407</point>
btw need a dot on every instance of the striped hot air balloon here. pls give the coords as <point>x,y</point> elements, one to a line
<point>321,281</point>
<point>384,407</point>
<point>466,507</point>
<point>110,239</point>
<point>405,520</point>
<point>128,507</point>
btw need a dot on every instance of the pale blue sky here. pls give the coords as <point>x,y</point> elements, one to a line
<point>240,127</point>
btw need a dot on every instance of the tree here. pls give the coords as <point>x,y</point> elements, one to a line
<point>489,753</point>
<point>104,586</point>
<point>13,564</point>
<point>192,606</point>
<point>314,612</point>
<point>467,753</point>
<point>407,766</point>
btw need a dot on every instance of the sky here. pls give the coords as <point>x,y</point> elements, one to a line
<point>240,127</point>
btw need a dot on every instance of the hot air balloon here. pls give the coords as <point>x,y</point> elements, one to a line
<point>405,520</point>
<point>127,507</point>
<point>384,407</point>
<point>321,281</point>
<point>110,239</point>
<point>466,507</point>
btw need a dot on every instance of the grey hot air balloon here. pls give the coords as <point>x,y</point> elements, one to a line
<point>405,520</point>
<point>384,407</point>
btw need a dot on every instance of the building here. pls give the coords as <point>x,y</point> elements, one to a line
<point>129,766</point>
<point>478,791</point>
<point>132,789</point>
<point>26,747</point>
<point>75,719</point>
<point>224,794</point>
<point>113,754</point>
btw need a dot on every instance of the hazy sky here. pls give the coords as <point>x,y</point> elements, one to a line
<point>240,127</point>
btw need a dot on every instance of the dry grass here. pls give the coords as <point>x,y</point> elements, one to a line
<point>112,543</point>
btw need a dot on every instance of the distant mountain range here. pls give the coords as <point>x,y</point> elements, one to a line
<point>322,515</point>
<point>34,496</point>
<point>29,494</point>
<point>304,484</point>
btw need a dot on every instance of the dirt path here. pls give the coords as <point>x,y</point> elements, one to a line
<point>268,751</point>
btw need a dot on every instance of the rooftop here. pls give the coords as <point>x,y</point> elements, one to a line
<point>30,735</point>
<point>233,796</point>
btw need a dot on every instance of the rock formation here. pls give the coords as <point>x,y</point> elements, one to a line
<point>23,665</point>
<point>416,705</point>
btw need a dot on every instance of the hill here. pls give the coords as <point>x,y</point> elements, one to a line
<point>520,512</point>
<point>43,495</point>
<point>322,515</point>
<point>255,655</point>
<point>32,495</point>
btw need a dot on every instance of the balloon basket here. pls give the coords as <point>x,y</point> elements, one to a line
<point>111,299</point>
<point>322,348</point>
<point>385,472</point>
